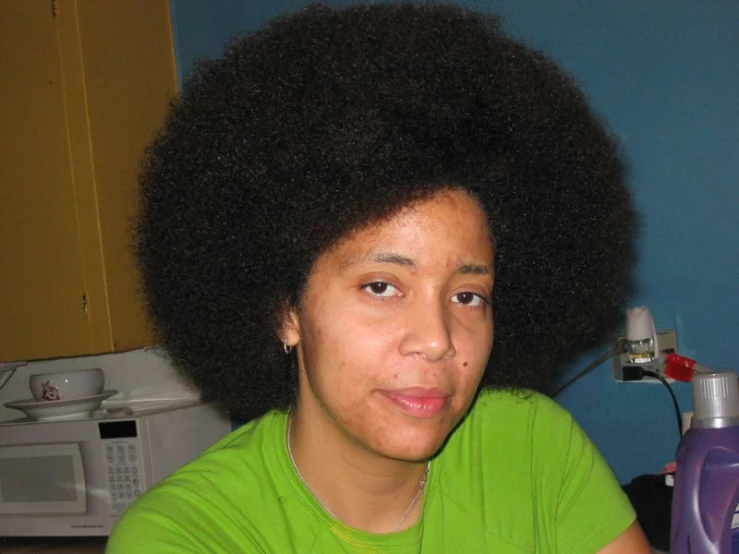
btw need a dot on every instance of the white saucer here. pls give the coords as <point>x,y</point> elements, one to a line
<point>60,409</point>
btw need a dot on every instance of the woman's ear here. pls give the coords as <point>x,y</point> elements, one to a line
<point>289,327</point>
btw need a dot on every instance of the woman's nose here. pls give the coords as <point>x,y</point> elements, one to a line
<point>427,331</point>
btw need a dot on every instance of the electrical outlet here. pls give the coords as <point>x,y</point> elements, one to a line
<point>667,340</point>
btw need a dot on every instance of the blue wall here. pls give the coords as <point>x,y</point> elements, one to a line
<point>665,75</point>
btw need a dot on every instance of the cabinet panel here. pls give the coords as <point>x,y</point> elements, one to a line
<point>90,87</point>
<point>41,279</point>
<point>128,90</point>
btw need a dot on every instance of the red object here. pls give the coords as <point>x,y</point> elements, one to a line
<point>679,368</point>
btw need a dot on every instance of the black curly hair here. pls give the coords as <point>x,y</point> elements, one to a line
<point>330,119</point>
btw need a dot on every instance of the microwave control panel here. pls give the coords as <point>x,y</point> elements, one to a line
<point>122,457</point>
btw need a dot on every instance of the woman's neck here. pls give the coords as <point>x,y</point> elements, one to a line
<point>362,489</point>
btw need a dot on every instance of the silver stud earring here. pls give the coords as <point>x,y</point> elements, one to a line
<point>287,348</point>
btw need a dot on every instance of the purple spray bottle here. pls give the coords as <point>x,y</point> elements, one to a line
<point>706,494</point>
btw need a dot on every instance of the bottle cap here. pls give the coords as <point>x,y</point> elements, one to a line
<point>715,400</point>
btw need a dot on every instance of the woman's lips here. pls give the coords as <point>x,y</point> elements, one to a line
<point>418,402</point>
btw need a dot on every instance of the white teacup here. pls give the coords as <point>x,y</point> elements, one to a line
<point>67,385</point>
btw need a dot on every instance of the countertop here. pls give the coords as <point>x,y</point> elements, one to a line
<point>54,545</point>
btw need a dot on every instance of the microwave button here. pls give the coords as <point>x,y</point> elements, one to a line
<point>137,492</point>
<point>134,470</point>
<point>126,469</point>
<point>135,482</point>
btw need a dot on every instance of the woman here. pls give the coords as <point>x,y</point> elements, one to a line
<point>342,216</point>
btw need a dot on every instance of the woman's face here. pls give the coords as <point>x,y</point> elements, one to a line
<point>395,329</point>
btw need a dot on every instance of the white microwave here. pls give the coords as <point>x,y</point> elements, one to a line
<point>76,477</point>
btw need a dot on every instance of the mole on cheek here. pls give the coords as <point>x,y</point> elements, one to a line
<point>464,364</point>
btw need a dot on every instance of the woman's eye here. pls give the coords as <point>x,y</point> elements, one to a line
<point>381,289</point>
<point>469,299</point>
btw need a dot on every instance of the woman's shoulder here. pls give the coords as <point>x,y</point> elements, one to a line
<point>521,466</point>
<point>248,439</point>
<point>513,430</point>
<point>500,408</point>
<point>234,460</point>
<point>201,494</point>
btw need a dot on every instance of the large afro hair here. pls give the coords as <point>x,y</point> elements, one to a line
<point>328,120</point>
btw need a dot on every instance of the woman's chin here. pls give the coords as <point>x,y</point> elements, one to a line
<point>415,449</point>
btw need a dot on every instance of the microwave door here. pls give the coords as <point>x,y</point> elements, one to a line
<point>42,479</point>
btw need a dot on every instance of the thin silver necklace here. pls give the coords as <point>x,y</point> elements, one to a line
<point>329,512</point>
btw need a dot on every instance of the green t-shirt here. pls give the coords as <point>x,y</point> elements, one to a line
<point>517,476</point>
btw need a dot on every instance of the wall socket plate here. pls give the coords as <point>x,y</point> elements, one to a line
<point>667,339</point>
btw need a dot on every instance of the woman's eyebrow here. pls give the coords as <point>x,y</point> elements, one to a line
<point>390,258</point>
<point>379,257</point>
<point>475,269</point>
<point>404,261</point>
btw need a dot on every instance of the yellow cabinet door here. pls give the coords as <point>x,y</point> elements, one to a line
<point>42,283</point>
<point>85,86</point>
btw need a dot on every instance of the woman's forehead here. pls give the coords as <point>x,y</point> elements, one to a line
<point>449,226</point>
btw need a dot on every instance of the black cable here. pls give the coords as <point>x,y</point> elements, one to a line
<point>674,400</point>
<point>635,377</point>
<point>582,373</point>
